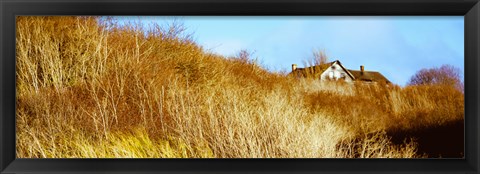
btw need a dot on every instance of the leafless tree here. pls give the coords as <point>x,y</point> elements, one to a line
<point>319,57</point>
<point>445,75</point>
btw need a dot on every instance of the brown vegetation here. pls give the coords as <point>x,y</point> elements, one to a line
<point>88,87</point>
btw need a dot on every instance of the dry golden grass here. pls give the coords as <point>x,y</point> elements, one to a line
<point>88,88</point>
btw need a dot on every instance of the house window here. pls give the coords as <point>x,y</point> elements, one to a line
<point>343,76</point>
<point>330,75</point>
<point>337,75</point>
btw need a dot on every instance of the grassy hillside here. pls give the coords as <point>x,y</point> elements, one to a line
<point>91,88</point>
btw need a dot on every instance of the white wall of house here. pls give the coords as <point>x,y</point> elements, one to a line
<point>335,72</point>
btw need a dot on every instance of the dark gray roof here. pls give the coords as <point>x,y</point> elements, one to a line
<point>312,71</point>
<point>371,76</point>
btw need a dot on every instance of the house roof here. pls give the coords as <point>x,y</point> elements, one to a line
<point>368,76</point>
<point>354,74</point>
<point>318,69</point>
<point>312,70</point>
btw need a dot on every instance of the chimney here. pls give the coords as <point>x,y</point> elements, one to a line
<point>294,67</point>
<point>362,69</point>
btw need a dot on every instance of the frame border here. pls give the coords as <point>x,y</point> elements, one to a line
<point>470,9</point>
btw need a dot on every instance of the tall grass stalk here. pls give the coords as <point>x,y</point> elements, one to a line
<point>89,87</point>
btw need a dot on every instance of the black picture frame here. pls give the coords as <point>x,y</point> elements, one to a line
<point>470,9</point>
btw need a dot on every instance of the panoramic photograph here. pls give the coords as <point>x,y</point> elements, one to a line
<point>240,87</point>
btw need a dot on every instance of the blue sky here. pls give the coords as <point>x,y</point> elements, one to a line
<point>396,46</point>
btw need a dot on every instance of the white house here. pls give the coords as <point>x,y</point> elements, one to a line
<point>336,71</point>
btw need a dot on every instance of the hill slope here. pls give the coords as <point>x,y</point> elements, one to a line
<point>88,87</point>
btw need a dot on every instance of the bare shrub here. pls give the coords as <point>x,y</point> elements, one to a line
<point>445,75</point>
